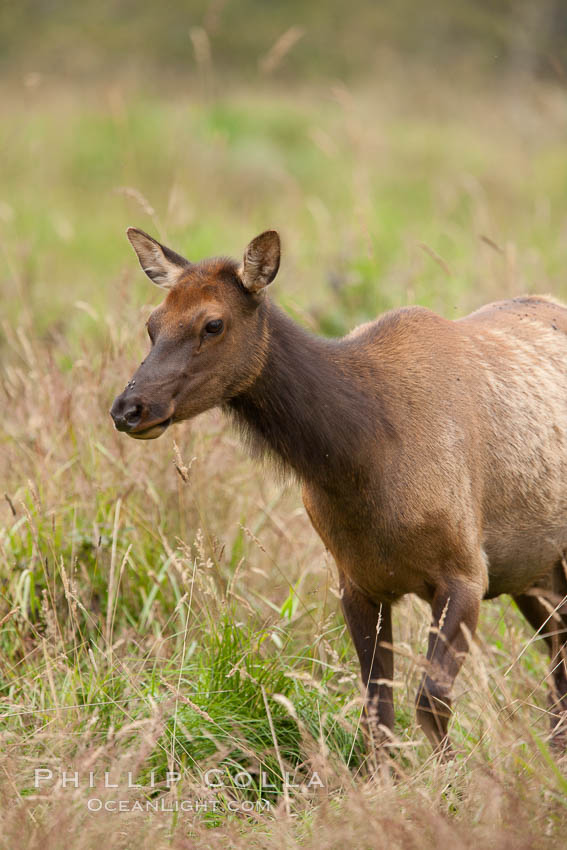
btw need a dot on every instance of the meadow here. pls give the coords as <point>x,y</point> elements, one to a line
<point>167,606</point>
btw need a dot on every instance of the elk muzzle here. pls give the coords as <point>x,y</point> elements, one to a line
<point>138,419</point>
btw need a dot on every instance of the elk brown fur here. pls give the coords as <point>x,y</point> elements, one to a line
<point>432,453</point>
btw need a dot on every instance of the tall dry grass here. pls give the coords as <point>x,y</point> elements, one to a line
<point>168,607</point>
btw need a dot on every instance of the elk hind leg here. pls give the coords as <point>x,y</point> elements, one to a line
<point>548,616</point>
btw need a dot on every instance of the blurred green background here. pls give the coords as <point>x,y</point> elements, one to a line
<point>406,153</point>
<point>338,40</point>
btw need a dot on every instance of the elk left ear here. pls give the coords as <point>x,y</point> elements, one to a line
<point>162,265</point>
<point>261,261</point>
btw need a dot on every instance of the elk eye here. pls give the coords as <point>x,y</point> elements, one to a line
<point>215,326</point>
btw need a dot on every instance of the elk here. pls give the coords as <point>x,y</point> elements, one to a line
<point>432,453</point>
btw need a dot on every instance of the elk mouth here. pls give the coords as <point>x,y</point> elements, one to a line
<point>153,431</point>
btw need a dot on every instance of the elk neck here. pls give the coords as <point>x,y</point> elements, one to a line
<point>310,407</point>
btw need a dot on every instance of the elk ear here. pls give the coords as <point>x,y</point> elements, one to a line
<point>162,265</point>
<point>261,261</point>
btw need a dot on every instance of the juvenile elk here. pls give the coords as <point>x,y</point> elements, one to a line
<point>432,453</point>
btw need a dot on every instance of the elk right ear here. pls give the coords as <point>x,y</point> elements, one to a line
<point>261,261</point>
<point>162,265</point>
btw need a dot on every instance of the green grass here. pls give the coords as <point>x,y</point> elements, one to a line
<point>153,621</point>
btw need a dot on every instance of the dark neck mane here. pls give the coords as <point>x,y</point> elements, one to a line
<point>306,408</point>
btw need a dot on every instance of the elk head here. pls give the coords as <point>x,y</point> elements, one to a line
<point>208,337</point>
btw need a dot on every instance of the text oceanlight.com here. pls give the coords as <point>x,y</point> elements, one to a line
<point>95,804</point>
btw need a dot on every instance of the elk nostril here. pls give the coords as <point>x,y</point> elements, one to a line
<point>133,414</point>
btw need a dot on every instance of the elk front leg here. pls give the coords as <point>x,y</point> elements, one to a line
<point>370,626</point>
<point>455,609</point>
